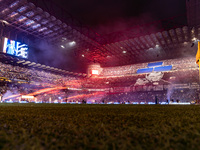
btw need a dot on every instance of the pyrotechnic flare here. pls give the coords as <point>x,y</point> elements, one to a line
<point>84,95</point>
<point>12,96</point>
<point>198,54</point>
<point>45,90</point>
<point>198,58</point>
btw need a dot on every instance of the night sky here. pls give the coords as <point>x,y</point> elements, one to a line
<point>107,16</point>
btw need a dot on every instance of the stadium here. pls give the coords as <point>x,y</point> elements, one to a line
<point>52,66</point>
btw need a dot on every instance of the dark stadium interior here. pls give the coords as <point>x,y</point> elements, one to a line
<point>106,44</point>
<point>83,74</point>
<point>110,26</point>
<point>110,21</point>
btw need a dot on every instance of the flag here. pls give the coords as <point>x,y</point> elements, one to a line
<point>198,54</point>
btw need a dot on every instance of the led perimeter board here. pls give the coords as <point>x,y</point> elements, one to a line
<point>15,48</point>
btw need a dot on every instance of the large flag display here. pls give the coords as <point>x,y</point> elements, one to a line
<point>198,54</point>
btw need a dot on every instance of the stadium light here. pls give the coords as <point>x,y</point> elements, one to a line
<point>64,39</point>
<point>124,52</point>
<point>62,46</point>
<point>83,55</point>
<point>194,39</point>
<point>72,43</point>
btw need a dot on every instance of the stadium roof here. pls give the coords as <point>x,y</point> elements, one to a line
<point>152,41</point>
<point>28,18</point>
<point>25,63</point>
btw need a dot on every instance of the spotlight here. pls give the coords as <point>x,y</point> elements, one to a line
<point>62,46</point>
<point>83,55</point>
<point>64,39</point>
<point>124,52</point>
<point>194,39</point>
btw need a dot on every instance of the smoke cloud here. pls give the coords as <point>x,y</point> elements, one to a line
<point>55,56</point>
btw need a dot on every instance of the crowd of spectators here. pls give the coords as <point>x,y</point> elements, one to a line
<point>145,97</point>
<point>184,72</point>
<point>33,75</point>
<point>172,77</point>
<point>182,63</point>
<point>21,80</point>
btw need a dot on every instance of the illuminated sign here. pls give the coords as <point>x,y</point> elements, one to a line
<point>15,48</point>
<point>95,72</point>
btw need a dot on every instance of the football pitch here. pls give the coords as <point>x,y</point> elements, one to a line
<point>84,126</point>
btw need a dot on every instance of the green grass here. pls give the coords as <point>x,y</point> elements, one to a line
<point>63,126</point>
